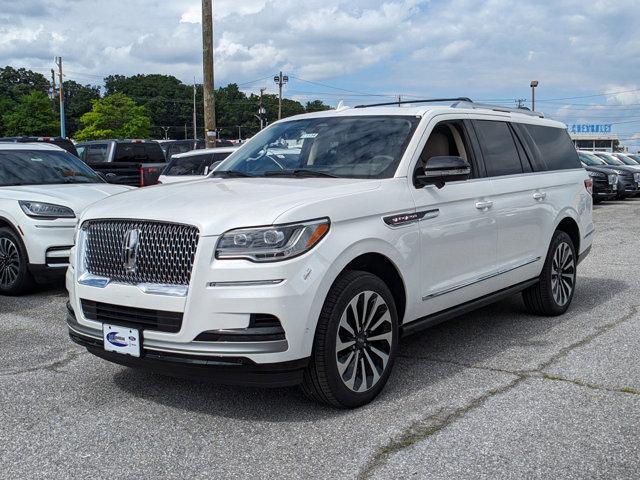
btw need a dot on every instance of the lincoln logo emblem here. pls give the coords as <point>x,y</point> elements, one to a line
<point>130,249</point>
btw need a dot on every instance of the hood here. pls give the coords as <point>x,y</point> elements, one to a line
<point>603,169</point>
<point>216,205</point>
<point>75,196</point>
<point>626,169</point>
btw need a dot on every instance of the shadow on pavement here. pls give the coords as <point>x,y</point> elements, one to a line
<point>472,338</point>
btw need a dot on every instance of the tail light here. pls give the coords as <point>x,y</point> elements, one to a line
<point>141,177</point>
<point>588,184</point>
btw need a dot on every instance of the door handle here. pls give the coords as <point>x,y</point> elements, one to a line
<point>484,206</point>
<point>539,196</point>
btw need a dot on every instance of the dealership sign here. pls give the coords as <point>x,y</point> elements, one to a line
<point>589,128</point>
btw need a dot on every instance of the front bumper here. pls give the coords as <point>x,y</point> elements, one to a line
<point>236,370</point>
<point>222,299</point>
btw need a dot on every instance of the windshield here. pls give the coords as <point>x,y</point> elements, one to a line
<point>610,159</point>
<point>194,164</point>
<point>626,160</point>
<point>39,167</point>
<point>591,160</point>
<point>348,147</point>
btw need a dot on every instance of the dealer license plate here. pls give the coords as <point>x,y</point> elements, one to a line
<point>123,340</point>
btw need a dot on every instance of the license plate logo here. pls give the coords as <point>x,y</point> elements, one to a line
<point>121,340</point>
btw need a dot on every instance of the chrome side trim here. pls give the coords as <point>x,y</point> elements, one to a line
<point>479,279</point>
<point>409,218</point>
<point>247,283</point>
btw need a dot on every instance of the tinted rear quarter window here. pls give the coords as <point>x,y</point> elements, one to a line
<point>191,165</point>
<point>139,153</point>
<point>555,147</point>
<point>95,153</point>
<point>498,148</point>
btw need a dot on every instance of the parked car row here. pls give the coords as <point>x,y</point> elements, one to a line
<point>615,175</point>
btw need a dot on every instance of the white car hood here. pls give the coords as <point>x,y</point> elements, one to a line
<point>216,205</point>
<point>75,196</point>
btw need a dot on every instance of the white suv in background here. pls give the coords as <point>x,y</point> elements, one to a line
<point>386,220</point>
<point>42,190</point>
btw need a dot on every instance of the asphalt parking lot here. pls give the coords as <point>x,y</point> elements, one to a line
<point>494,394</point>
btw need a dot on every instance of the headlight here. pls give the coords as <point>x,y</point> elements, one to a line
<point>596,174</point>
<point>46,210</point>
<point>271,244</point>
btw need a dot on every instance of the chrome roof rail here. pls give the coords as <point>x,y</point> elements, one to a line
<point>497,108</point>
<point>408,102</point>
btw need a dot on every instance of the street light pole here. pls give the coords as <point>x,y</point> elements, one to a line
<point>63,130</point>
<point>207,67</point>
<point>280,80</point>
<point>195,121</point>
<point>534,84</point>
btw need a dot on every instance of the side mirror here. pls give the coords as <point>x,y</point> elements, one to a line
<point>441,170</point>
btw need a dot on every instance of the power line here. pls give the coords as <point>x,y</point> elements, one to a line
<point>339,88</point>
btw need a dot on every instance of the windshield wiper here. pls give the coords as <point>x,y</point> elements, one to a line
<point>231,174</point>
<point>299,172</point>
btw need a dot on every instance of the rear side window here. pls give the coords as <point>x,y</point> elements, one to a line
<point>139,153</point>
<point>95,153</point>
<point>191,165</point>
<point>555,147</point>
<point>498,148</point>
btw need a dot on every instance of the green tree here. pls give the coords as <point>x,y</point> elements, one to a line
<point>77,102</point>
<point>15,84</point>
<point>168,101</point>
<point>114,116</point>
<point>32,115</point>
<point>316,106</point>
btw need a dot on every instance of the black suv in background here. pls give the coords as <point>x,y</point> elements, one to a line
<point>64,143</point>
<point>605,181</point>
<point>127,162</point>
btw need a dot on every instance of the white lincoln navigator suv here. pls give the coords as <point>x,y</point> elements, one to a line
<point>308,253</point>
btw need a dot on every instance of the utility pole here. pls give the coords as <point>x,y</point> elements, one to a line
<point>53,84</point>
<point>208,81</point>
<point>63,131</point>
<point>195,126</point>
<point>280,80</point>
<point>399,100</point>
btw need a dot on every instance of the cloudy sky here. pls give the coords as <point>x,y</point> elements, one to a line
<point>586,54</point>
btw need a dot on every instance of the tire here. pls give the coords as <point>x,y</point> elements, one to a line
<point>15,278</point>
<point>361,361</point>
<point>553,293</point>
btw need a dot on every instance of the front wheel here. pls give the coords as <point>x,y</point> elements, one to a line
<point>14,274</point>
<point>554,291</point>
<point>355,342</point>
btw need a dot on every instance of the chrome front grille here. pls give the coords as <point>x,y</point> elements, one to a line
<point>164,252</point>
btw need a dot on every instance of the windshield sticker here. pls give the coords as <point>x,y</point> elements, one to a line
<point>309,135</point>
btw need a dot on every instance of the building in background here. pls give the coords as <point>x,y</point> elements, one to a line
<point>594,137</point>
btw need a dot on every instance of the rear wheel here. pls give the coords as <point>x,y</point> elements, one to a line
<point>554,291</point>
<point>355,343</point>
<point>14,274</point>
